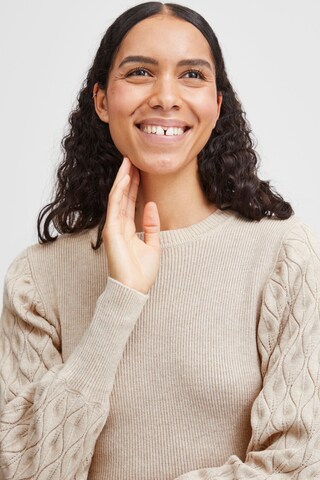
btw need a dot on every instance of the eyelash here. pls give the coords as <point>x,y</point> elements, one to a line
<point>192,70</point>
<point>137,70</point>
<point>199,72</point>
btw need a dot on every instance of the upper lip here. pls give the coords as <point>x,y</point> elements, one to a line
<point>162,122</point>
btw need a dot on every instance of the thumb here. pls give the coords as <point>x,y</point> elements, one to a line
<point>151,225</point>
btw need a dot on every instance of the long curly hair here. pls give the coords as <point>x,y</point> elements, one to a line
<point>227,165</point>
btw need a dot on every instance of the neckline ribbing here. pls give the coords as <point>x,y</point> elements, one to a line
<point>194,231</point>
<point>185,234</point>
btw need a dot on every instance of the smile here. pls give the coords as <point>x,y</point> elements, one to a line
<point>162,130</point>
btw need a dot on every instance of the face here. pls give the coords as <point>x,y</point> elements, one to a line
<point>161,101</point>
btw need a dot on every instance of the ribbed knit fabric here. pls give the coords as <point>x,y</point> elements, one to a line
<point>214,374</point>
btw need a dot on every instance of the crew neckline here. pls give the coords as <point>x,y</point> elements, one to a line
<point>194,231</point>
<point>184,234</point>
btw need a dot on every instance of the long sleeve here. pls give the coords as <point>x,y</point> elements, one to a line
<point>285,416</point>
<point>51,412</point>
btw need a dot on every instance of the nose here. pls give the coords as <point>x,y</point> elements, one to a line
<point>165,94</point>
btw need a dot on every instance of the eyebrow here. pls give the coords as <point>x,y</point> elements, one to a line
<point>192,62</point>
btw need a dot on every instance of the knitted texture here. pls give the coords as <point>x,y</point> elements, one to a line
<point>214,374</point>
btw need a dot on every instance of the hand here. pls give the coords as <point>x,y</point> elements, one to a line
<point>131,261</point>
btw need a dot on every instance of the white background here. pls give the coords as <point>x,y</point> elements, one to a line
<point>271,50</point>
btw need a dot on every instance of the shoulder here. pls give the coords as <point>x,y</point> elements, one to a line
<point>296,271</point>
<point>45,267</point>
<point>303,237</point>
<point>274,232</point>
<point>299,255</point>
<point>66,246</point>
<point>264,243</point>
<point>59,249</point>
<point>68,253</point>
<point>49,260</point>
<point>266,227</point>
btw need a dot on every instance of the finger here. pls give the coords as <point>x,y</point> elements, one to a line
<point>132,194</point>
<point>114,202</point>
<point>123,169</point>
<point>124,200</point>
<point>151,225</point>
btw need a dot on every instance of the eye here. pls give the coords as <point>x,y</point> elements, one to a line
<point>138,72</point>
<point>196,74</point>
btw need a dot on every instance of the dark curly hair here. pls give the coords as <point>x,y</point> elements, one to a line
<point>227,165</point>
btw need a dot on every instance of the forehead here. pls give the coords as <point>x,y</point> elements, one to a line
<point>165,35</point>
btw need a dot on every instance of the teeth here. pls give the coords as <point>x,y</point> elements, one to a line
<point>174,131</point>
<point>155,129</point>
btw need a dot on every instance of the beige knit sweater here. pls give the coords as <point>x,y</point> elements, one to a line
<point>214,374</point>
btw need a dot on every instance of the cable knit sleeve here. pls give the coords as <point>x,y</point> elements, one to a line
<point>285,417</point>
<point>51,412</point>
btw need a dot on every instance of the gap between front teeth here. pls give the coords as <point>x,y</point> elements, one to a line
<point>160,131</point>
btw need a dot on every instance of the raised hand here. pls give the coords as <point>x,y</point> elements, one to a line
<point>131,261</point>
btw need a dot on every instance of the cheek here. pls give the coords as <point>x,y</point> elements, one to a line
<point>122,100</point>
<point>212,115</point>
<point>206,107</point>
<point>120,108</point>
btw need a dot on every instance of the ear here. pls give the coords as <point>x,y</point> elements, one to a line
<point>100,103</point>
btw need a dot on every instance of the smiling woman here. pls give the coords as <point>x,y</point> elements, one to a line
<point>161,112</point>
<point>171,329</point>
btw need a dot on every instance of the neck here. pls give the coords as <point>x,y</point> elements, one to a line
<point>179,198</point>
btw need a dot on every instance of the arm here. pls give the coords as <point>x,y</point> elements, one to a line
<point>52,413</point>
<point>285,418</point>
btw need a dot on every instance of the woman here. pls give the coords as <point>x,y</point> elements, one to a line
<point>172,331</point>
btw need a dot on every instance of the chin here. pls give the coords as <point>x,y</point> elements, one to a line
<point>162,165</point>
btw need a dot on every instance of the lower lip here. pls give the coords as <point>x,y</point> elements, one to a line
<point>163,139</point>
